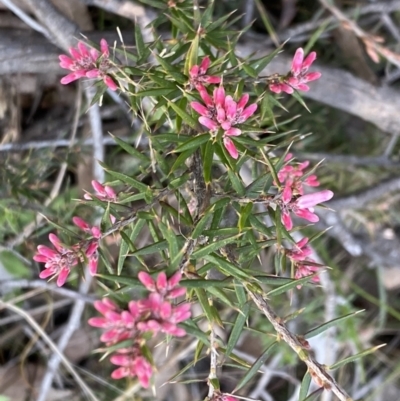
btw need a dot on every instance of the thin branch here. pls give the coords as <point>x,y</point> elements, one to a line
<point>21,14</point>
<point>317,371</point>
<point>53,347</point>
<point>24,283</point>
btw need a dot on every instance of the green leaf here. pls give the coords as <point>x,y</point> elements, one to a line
<point>153,248</point>
<point>129,149</point>
<point>254,368</point>
<point>355,357</point>
<point>305,385</point>
<point>127,243</point>
<point>209,310</point>
<point>143,51</point>
<point>177,182</point>
<point>186,117</point>
<point>127,180</point>
<point>237,328</point>
<point>298,97</point>
<point>219,22</point>
<point>192,143</point>
<point>289,286</point>
<point>208,161</point>
<point>203,283</point>
<point>325,326</point>
<point>128,281</point>
<point>155,92</point>
<point>262,62</point>
<point>206,250</point>
<point>243,215</point>
<point>236,183</point>
<point>180,160</point>
<point>227,267</point>
<point>191,56</point>
<point>193,330</point>
<point>314,395</point>
<point>14,265</point>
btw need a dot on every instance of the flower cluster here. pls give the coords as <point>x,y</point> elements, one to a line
<point>304,265</point>
<point>154,314</point>
<point>103,193</point>
<point>198,76</point>
<point>88,63</point>
<point>293,179</point>
<point>298,77</point>
<point>217,396</point>
<point>222,112</point>
<point>293,199</point>
<point>60,260</point>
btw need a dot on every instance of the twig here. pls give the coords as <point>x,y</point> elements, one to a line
<point>371,44</point>
<point>53,347</point>
<point>362,198</point>
<point>381,161</point>
<point>36,311</point>
<point>316,370</point>
<point>26,18</point>
<point>24,283</point>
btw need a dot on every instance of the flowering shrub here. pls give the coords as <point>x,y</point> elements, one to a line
<point>209,194</point>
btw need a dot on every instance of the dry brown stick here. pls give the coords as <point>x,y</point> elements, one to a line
<point>317,371</point>
<point>371,42</point>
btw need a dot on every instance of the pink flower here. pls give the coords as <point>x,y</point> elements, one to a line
<point>132,365</point>
<point>306,268</point>
<point>103,193</point>
<point>303,207</point>
<point>301,252</point>
<point>222,112</point>
<point>198,77</point>
<point>293,179</point>
<point>298,76</point>
<point>88,63</point>
<point>58,262</point>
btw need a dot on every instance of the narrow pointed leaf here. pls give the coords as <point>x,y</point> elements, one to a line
<point>323,327</point>
<point>254,368</point>
<point>355,357</point>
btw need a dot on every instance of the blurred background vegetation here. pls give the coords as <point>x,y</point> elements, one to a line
<point>352,123</point>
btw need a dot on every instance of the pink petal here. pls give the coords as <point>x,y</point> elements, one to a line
<point>287,221</point>
<point>205,96</point>
<point>212,79</point>
<point>230,107</point>
<point>110,83</point>
<point>94,54</point>
<point>62,277</point>
<point>247,112</point>
<point>45,251</point>
<point>308,61</point>
<point>207,122</point>
<point>110,192</point>
<point>65,61</point>
<point>177,292</point>
<point>231,148</point>
<point>96,232</point>
<point>174,279</point>
<point>69,78</point>
<point>81,223</point>
<point>276,88</point>
<point>307,215</point>
<point>99,188</point>
<point>312,76</point>
<point>204,65</point>
<point>219,97</point>
<point>233,132</point>
<point>243,101</point>
<point>297,61</point>
<point>147,280</point>
<point>74,53</point>
<point>83,49</point>
<point>202,110</point>
<point>104,47</point>
<point>40,258</point>
<point>98,322</point>
<point>93,263</point>
<point>194,71</point>
<point>46,273</point>
<point>310,200</point>
<point>161,282</point>
<point>95,73</point>
<point>165,310</point>
<point>119,373</point>
<point>287,194</point>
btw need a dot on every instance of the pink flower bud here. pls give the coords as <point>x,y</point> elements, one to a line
<point>147,280</point>
<point>81,223</point>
